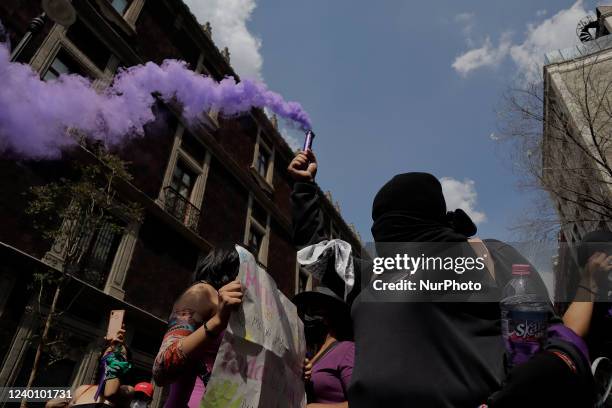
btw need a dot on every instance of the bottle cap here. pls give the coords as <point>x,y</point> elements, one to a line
<point>518,269</point>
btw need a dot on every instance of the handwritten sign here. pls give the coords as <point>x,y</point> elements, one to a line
<point>259,364</point>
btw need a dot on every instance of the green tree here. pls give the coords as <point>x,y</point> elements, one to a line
<point>69,212</point>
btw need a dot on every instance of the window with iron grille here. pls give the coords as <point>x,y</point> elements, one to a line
<point>177,196</point>
<point>100,247</point>
<point>183,180</point>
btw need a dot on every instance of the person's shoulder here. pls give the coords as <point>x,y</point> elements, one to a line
<point>346,346</point>
<point>200,289</point>
<point>197,298</point>
<point>347,350</point>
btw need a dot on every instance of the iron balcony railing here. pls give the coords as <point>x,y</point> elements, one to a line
<point>181,208</point>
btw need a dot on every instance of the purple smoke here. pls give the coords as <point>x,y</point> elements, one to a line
<point>35,115</point>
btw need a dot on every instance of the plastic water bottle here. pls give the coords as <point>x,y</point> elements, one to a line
<point>525,313</point>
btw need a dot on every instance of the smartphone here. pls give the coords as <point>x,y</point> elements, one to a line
<point>115,323</point>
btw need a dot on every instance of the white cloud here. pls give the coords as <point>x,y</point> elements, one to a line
<point>486,55</point>
<point>541,13</point>
<point>558,31</point>
<point>462,194</point>
<point>555,32</point>
<point>229,29</point>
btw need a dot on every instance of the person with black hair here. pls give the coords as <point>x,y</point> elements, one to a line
<point>195,327</point>
<point>330,350</point>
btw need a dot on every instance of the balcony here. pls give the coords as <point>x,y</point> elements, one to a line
<point>181,208</point>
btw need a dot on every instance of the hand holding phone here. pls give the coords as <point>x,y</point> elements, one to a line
<point>115,324</point>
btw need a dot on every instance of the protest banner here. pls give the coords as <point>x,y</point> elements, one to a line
<point>259,364</point>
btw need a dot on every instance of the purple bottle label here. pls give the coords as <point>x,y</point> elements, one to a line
<point>524,334</point>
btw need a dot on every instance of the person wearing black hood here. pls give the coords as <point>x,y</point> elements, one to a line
<point>416,353</point>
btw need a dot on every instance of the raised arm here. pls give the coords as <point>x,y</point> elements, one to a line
<point>114,391</point>
<point>308,219</point>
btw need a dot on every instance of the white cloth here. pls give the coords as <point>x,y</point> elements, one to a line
<point>315,258</point>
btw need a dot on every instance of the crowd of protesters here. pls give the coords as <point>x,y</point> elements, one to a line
<point>368,354</point>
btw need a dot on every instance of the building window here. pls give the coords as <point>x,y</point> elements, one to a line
<point>177,196</point>
<point>185,178</point>
<point>100,249</point>
<point>263,162</point>
<point>257,233</point>
<point>120,5</point>
<point>62,64</point>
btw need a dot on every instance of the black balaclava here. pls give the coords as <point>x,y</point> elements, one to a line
<point>411,208</point>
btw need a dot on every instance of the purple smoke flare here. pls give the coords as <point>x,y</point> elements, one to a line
<point>35,115</point>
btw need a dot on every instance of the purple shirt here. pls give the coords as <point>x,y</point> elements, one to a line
<point>331,374</point>
<point>562,332</point>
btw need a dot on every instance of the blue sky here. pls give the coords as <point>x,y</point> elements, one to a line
<point>396,86</point>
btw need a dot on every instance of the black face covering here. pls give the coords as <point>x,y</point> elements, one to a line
<point>315,330</point>
<point>411,208</point>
